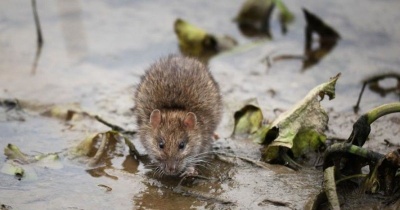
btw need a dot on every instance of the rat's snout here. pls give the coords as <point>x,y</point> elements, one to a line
<point>171,168</point>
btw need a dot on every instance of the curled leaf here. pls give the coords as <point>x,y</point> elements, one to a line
<point>99,148</point>
<point>301,128</point>
<point>12,152</point>
<point>248,118</point>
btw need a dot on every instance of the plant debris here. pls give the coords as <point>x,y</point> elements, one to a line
<point>99,149</point>
<point>254,17</point>
<point>344,161</point>
<point>374,86</point>
<point>327,40</point>
<point>22,165</point>
<point>195,41</point>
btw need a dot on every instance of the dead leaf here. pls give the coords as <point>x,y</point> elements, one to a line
<point>301,128</point>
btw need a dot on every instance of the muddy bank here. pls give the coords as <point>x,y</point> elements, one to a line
<point>93,55</point>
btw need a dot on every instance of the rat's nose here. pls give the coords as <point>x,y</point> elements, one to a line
<point>170,168</point>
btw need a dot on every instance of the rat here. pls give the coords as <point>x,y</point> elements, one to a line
<point>178,106</point>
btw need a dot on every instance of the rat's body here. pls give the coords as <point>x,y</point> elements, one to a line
<point>178,107</point>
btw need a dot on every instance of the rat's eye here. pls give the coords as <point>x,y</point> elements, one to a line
<point>161,145</point>
<point>181,145</point>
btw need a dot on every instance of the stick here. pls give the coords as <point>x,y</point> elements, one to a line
<point>37,24</point>
<point>114,127</point>
<point>39,36</point>
<point>245,159</point>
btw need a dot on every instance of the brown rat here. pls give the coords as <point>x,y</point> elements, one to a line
<point>178,107</point>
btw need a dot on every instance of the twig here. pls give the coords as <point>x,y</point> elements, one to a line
<point>39,36</point>
<point>276,203</point>
<point>96,159</point>
<point>390,144</point>
<point>37,24</point>
<point>289,162</point>
<point>373,80</point>
<point>351,177</point>
<point>356,107</point>
<point>108,189</point>
<point>248,160</point>
<point>114,127</point>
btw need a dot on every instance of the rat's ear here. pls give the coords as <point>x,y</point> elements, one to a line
<point>190,120</point>
<point>155,118</point>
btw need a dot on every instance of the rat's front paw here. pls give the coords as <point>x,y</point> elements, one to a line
<point>190,171</point>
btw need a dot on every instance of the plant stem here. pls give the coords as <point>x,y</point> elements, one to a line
<point>380,111</point>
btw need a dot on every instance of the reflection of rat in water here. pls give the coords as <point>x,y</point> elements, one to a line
<point>178,107</point>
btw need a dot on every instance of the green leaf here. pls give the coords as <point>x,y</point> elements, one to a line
<point>248,119</point>
<point>254,17</point>
<point>190,37</point>
<point>307,141</point>
<point>12,152</point>
<point>284,14</point>
<point>85,147</point>
<point>301,128</point>
<point>255,11</point>
<point>197,42</point>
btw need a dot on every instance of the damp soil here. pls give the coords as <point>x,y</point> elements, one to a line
<point>92,58</point>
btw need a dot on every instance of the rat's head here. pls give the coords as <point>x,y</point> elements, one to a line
<point>174,140</point>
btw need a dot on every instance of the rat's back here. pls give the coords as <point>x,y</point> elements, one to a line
<point>179,83</point>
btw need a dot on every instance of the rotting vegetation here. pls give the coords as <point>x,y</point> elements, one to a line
<point>289,139</point>
<point>296,134</point>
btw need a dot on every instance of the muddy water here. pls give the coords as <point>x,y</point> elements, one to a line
<point>93,55</point>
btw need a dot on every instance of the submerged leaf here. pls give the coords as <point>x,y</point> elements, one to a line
<point>49,161</point>
<point>84,148</point>
<point>21,165</point>
<point>14,168</point>
<point>301,128</point>
<point>99,148</point>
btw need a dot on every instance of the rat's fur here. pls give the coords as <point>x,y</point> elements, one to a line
<point>176,86</point>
